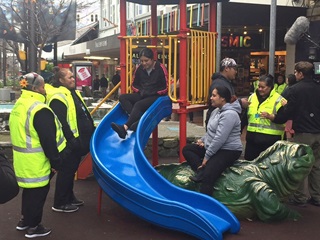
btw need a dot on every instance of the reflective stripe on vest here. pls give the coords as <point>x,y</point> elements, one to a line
<point>273,126</point>
<point>29,148</point>
<point>33,180</point>
<point>64,95</point>
<point>260,125</point>
<point>32,167</point>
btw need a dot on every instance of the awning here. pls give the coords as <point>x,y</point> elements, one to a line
<point>87,33</point>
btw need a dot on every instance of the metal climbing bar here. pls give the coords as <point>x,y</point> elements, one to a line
<point>200,59</point>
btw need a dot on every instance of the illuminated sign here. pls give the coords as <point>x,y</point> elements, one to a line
<point>236,41</point>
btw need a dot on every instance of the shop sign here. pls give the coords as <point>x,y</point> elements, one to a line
<point>252,41</point>
<point>100,44</point>
<point>232,41</point>
<point>83,75</point>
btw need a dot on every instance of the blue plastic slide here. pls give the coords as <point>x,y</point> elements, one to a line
<point>124,173</point>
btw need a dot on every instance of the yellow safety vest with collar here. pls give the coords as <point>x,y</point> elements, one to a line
<point>32,167</point>
<point>262,125</point>
<point>64,95</point>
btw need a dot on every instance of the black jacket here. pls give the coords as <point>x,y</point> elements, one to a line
<point>115,79</point>
<point>149,85</point>
<point>79,145</point>
<point>8,184</point>
<point>47,137</point>
<point>103,82</point>
<point>304,106</point>
<point>222,81</point>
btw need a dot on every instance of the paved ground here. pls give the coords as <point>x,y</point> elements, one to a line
<point>114,222</point>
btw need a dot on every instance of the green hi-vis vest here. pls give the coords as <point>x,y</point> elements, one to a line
<point>255,85</point>
<point>64,95</point>
<point>31,166</point>
<point>261,125</point>
<point>280,88</point>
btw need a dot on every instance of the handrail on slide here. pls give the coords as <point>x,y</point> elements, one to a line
<point>125,174</point>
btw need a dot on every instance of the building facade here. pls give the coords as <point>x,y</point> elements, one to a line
<point>245,33</point>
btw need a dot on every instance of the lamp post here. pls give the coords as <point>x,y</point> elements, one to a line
<point>4,62</point>
<point>272,39</point>
<point>32,53</point>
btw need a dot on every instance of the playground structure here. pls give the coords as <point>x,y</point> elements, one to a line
<point>120,167</point>
<point>200,59</point>
<point>190,56</point>
<point>125,174</point>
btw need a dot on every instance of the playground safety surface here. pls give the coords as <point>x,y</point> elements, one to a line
<point>114,222</point>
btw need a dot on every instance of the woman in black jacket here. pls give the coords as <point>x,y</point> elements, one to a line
<point>78,127</point>
<point>150,81</point>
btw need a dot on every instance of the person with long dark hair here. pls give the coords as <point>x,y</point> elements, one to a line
<point>150,81</point>
<point>221,146</point>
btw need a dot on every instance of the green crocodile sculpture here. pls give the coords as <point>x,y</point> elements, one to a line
<point>255,189</point>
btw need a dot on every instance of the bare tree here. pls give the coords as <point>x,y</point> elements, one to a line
<point>36,23</point>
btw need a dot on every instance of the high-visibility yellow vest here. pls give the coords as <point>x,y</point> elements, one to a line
<point>255,85</point>
<point>32,167</point>
<point>261,125</point>
<point>64,95</point>
<point>280,88</point>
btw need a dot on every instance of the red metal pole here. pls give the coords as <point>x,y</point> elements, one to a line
<point>154,23</point>
<point>154,32</point>
<point>123,32</point>
<point>213,16</point>
<point>183,77</point>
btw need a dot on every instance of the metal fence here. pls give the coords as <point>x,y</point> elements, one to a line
<point>200,59</point>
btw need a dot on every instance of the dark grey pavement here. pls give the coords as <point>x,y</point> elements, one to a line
<point>114,222</point>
